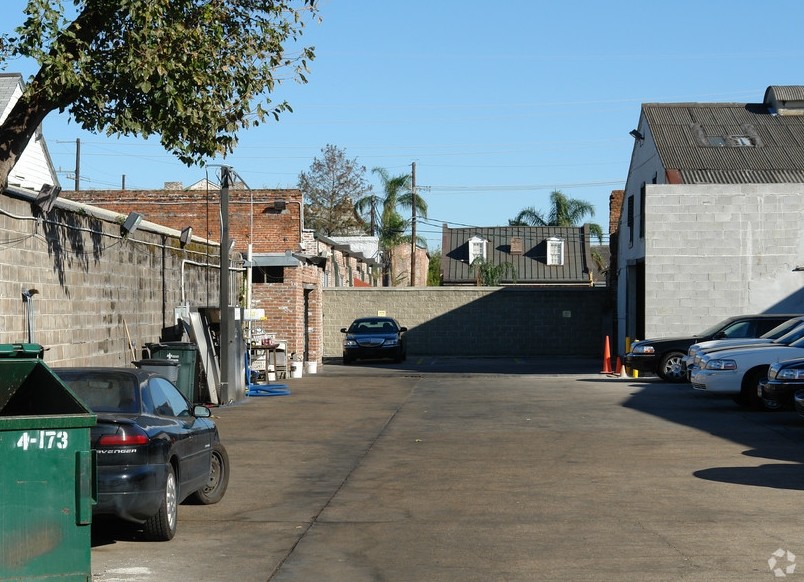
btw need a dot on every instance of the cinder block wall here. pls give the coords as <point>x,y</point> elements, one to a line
<point>714,251</point>
<point>96,290</point>
<point>478,321</point>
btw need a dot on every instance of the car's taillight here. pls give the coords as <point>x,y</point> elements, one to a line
<point>129,437</point>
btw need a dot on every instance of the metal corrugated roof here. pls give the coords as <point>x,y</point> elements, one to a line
<point>530,267</point>
<point>681,132</point>
<point>785,93</point>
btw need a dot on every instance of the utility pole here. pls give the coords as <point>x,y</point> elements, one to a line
<point>77,164</point>
<point>413,226</point>
<point>225,338</point>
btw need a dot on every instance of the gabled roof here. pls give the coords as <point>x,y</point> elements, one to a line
<point>9,84</point>
<point>34,168</point>
<point>731,143</point>
<point>530,266</point>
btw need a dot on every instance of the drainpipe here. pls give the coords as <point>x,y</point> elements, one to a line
<point>27,299</point>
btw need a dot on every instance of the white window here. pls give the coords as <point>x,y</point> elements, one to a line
<point>477,249</point>
<point>555,251</point>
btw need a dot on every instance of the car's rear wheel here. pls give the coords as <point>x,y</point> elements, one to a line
<point>161,527</point>
<point>215,488</point>
<point>670,368</point>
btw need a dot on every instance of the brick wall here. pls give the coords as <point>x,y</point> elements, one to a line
<point>479,321</point>
<point>276,229</point>
<point>400,266</point>
<point>95,289</point>
<point>284,305</point>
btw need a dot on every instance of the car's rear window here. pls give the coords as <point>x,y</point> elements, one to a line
<point>103,392</point>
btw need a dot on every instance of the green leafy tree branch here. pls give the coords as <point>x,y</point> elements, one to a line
<point>193,72</point>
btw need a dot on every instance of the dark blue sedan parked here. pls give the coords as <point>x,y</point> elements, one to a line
<point>374,337</point>
<point>154,448</point>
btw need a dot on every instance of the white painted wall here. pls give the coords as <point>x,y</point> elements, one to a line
<point>645,168</point>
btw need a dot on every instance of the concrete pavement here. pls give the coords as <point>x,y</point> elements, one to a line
<point>485,470</point>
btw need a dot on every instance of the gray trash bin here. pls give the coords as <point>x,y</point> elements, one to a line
<point>167,368</point>
<point>189,372</point>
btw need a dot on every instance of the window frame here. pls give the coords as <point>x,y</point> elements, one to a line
<point>555,259</point>
<point>475,243</point>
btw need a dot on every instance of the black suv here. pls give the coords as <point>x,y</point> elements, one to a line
<point>663,356</point>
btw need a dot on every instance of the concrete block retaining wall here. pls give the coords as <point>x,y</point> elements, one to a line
<point>478,321</point>
<point>96,290</point>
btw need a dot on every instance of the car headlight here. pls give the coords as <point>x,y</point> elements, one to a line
<point>391,341</point>
<point>643,349</point>
<point>692,352</point>
<point>790,374</point>
<point>721,365</point>
<point>349,343</point>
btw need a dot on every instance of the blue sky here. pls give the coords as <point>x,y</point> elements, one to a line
<point>497,105</point>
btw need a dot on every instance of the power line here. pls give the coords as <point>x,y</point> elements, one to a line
<point>524,187</point>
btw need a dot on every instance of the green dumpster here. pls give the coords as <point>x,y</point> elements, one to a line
<point>186,354</point>
<point>47,482</point>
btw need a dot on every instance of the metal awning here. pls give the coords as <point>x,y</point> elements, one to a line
<point>277,260</point>
<point>285,260</point>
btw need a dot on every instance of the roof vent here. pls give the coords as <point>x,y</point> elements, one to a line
<point>785,99</point>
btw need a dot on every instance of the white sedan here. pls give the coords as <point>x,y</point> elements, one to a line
<point>697,351</point>
<point>738,372</point>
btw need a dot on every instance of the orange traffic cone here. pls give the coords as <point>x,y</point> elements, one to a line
<point>606,358</point>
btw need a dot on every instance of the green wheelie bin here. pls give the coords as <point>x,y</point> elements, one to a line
<point>47,479</point>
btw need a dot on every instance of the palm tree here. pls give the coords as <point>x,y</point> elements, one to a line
<point>368,205</point>
<point>564,211</point>
<point>391,226</point>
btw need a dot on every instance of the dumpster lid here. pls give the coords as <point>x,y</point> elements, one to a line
<point>21,350</point>
<point>28,388</point>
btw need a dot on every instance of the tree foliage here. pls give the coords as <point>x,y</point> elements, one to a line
<point>564,211</point>
<point>386,221</point>
<point>189,71</point>
<point>490,275</point>
<point>330,188</point>
<point>434,278</point>
<point>397,194</point>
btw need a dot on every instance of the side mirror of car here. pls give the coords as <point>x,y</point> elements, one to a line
<point>403,329</point>
<point>201,411</point>
<point>343,330</point>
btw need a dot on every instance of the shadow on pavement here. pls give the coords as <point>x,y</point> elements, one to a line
<point>462,365</point>
<point>778,436</point>
<point>108,531</point>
